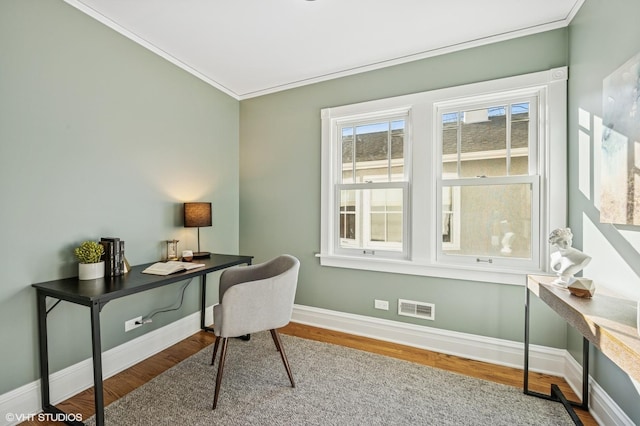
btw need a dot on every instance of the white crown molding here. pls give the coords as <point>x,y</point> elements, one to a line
<point>25,400</point>
<point>574,11</point>
<point>561,23</point>
<point>150,46</point>
<point>416,57</point>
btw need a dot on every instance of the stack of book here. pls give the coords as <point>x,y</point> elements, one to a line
<point>114,261</point>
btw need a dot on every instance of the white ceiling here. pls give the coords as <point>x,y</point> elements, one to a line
<point>247,48</point>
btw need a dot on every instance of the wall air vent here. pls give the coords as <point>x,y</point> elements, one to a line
<point>410,308</point>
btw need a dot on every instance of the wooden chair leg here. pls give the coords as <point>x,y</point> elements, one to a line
<point>215,350</point>
<point>223,356</point>
<point>278,342</point>
<point>275,339</point>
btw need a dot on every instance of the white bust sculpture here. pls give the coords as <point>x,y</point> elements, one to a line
<point>566,261</point>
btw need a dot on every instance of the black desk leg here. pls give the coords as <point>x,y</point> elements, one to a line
<point>97,364</point>
<point>44,352</point>
<point>203,302</point>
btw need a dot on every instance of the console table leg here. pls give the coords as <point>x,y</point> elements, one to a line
<point>585,374</point>
<point>526,340</point>
<point>555,393</point>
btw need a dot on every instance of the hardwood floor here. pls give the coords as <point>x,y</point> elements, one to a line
<point>128,380</point>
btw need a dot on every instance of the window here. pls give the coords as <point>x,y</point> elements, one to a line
<point>372,185</point>
<point>459,182</point>
<point>489,181</point>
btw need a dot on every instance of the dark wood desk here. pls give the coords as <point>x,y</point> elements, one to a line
<point>95,294</point>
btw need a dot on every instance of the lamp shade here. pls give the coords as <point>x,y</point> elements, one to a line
<point>197,215</point>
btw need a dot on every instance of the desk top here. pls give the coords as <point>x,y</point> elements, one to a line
<point>102,290</point>
<point>608,321</point>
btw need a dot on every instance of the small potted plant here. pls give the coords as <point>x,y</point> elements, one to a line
<point>88,254</point>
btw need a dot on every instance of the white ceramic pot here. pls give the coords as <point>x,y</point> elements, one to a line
<point>90,271</point>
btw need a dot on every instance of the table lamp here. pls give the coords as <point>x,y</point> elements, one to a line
<point>197,215</point>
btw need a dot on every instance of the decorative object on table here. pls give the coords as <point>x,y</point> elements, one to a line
<point>566,261</point>
<point>171,267</point>
<point>197,215</point>
<point>113,256</point>
<point>187,255</point>
<point>582,287</point>
<point>172,249</point>
<point>125,265</point>
<point>89,254</point>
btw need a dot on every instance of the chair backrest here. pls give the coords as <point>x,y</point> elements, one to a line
<point>257,297</point>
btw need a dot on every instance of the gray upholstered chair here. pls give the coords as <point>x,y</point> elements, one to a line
<point>252,299</point>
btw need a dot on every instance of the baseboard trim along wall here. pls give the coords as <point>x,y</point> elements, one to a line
<point>542,359</point>
<point>25,401</point>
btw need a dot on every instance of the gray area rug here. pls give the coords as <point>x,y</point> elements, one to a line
<point>334,386</point>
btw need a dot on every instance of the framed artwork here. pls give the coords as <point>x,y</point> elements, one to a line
<point>620,193</point>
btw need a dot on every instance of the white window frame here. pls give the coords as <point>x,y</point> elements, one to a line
<point>533,96</point>
<point>423,164</point>
<point>381,250</point>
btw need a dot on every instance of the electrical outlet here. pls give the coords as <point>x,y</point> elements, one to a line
<point>131,324</point>
<point>381,304</point>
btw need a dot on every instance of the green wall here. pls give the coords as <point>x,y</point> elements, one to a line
<point>99,137</point>
<point>602,37</point>
<point>280,192</point>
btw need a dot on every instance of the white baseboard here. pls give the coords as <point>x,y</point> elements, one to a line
<point>496,351</point>
<point>601,406</point>
<point>25,401</point>
<point>557,362</point>
<point>18,404</point>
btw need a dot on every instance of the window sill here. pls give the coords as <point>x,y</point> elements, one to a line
<point>466,272</point>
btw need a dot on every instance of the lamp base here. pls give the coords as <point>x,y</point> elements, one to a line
<point>201,255</point>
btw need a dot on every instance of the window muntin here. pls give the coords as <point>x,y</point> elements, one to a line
<point>372,191</point>
<point>375,148</point>
<point>479,147</point>
<point>428,234</point>
<point>496,220</point>
<point>491,141</point>
<point>372,218</point>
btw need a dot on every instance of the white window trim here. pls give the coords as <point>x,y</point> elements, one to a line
<point>535,97</point>
<point>552,131</point>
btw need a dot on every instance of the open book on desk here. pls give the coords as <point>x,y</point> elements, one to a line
<point>171,267</point>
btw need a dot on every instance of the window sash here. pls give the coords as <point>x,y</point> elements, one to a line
<point>509,98</point>
<point>493,261</point>
<point>363,244</point>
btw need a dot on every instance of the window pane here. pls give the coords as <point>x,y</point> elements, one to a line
<point>371,218</point>
<point>397,150</point>
<point>386,216</point>
<point>447,214</point>
<point>519,139</point>
<point>494,221</point>
<point>347,155</point>
<point>450,144</point>
<point>484,142</point>
<point>348,216</point>
<point>378,151</point>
